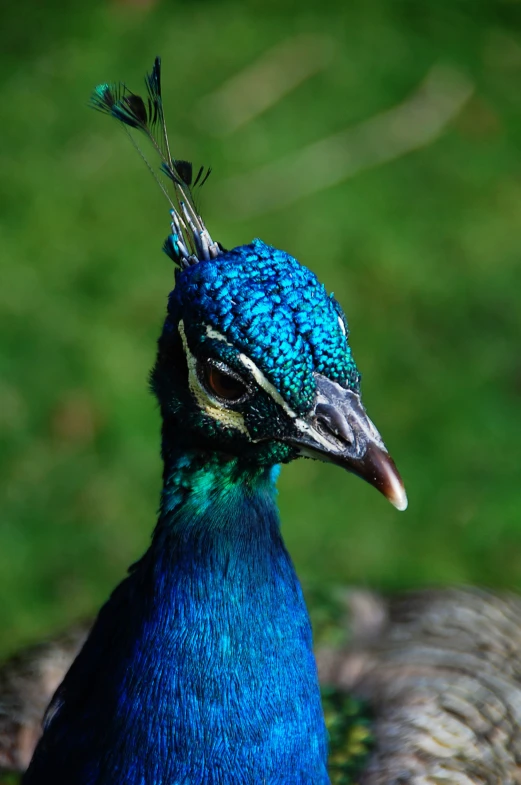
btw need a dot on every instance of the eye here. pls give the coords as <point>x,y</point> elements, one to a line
<point>223,383</point>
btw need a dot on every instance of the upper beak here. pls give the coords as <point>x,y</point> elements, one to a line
<point>339,430</point>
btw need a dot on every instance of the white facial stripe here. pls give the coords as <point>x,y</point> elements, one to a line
<point>255,372</point>
<point>342,325</point>
<point>211,333</point>
<point>305,427</point>
<point>234,419</point>
<point>266,385</point>
<point>226,417</point>
<point>300,424</point>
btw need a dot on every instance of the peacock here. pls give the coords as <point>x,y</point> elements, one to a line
<point>200,666</point>
<point>200,669</point>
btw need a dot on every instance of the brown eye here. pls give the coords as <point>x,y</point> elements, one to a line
<point>223,384</point>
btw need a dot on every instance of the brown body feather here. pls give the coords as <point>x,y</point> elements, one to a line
<point>27,683</point>
<point>442,672</point>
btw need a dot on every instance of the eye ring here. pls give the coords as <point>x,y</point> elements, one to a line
<point>223,384</point>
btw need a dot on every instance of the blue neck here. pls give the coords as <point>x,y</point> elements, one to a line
<point>200,667</point>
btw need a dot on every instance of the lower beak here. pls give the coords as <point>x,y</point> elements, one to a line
<point>339,431</point>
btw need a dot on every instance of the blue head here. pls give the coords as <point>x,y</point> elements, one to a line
<point>254,360</point>
<point>245,336</point>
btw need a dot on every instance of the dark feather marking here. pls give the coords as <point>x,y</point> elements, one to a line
<point>191,240</point>
<point>199,173</point>
<point>131,110</point>
<point>205,178</point>
<point>184,170</point>
<point>165,168</point>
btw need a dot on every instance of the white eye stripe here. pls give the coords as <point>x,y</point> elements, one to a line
<point>262,381</point>
<point>342,325</point>
<point>255,372</point>
<point>299,423</point>
<point>266,385</point>
<point>226,417</point>
<point>211,333</point>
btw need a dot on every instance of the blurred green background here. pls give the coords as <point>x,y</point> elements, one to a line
<point>417,232</point>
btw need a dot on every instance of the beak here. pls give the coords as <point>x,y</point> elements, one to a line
<point>339,431</point>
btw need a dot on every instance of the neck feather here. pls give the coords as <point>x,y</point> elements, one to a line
<point>200,667</point>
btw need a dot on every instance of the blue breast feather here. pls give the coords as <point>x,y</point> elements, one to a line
<point>200,666</point>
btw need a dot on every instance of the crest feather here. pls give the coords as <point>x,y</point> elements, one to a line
<point>189,241</point>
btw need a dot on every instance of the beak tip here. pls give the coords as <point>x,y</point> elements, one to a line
<point>384,475</point>
<point>400,501</point>
<point>394,489</point>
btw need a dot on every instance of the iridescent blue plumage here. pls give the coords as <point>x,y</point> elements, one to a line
<point>200,667</point>
<point>276,311</point>
<point>190,674</point>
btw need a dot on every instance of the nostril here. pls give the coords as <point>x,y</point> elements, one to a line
<point>334,421</point>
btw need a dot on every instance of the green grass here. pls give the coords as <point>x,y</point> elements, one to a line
<point>423,253</point>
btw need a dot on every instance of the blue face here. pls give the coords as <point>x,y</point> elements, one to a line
<point>246,338</point>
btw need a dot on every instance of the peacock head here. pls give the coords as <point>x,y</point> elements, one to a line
<point>253,361</point>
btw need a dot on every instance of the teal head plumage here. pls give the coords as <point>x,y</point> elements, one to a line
<point>255,317</point>
<point>200,667</point>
